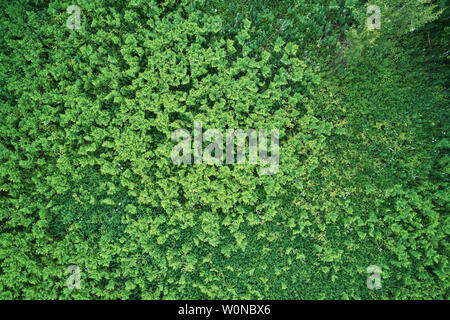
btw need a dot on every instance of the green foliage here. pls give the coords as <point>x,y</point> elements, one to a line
<point>86,176</point>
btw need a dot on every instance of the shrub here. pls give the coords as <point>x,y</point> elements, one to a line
<point>86,177</point>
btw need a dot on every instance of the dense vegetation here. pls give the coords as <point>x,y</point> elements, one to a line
<point>86,178</point>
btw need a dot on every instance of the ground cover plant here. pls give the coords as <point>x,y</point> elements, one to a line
<point>93,207</point>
